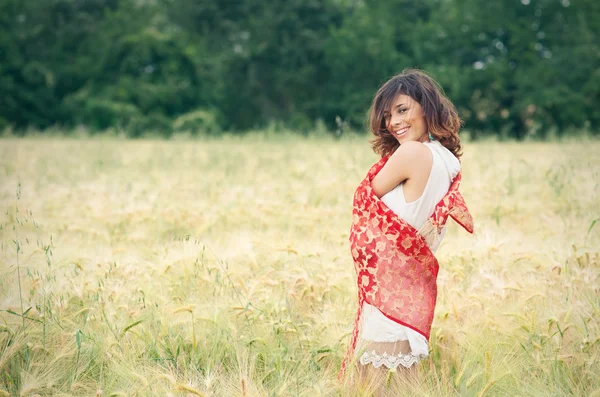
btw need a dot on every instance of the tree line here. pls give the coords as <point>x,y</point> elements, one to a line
<point>512,67</point>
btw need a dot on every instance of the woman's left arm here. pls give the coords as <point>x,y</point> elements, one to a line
<point>410,160</point>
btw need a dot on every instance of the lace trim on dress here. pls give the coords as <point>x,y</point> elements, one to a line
<point>391,361</point>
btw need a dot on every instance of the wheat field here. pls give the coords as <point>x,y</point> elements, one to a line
<point>221,267</point>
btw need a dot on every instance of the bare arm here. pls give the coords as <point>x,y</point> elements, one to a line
<point>410,160</point>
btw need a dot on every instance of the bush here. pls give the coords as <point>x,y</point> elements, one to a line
<point>198,121</point>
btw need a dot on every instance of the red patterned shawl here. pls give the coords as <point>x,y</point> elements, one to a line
<point>396,271</point>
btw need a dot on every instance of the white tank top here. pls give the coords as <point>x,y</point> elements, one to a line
<point>445,166</point>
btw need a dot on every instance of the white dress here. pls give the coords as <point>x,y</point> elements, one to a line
<point>375,327</point>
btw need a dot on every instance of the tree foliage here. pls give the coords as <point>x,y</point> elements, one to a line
<point>512,67</point>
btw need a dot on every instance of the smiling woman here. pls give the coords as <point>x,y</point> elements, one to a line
<point>413,99</point>
<point>399,217</point>
<point>405,121</point>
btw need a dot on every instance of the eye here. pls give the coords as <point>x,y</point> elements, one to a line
<point>403,110</point>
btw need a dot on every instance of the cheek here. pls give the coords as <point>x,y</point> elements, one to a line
<point>386,123</point>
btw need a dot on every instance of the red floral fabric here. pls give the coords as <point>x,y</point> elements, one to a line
<point>396,271</point>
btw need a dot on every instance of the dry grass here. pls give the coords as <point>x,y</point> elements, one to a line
<point>221,268</point>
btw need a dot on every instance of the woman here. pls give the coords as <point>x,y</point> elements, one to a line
<point>399,217</point>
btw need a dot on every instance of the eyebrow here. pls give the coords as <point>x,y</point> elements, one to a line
<point>397,106</point>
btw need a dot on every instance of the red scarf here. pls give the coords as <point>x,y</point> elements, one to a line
<point>396,271</point>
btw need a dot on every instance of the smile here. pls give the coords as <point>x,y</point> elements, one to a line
<point>401,131</point>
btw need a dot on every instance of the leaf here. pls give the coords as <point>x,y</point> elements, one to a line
<point>592,225</point>
<point>22,315</point>
<point>184,309</point>
<point>78,339</point>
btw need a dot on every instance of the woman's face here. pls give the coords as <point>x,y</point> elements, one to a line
<point>406,121</point>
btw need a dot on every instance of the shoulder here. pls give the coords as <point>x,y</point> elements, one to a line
<point>410,160</point>
<point>414,146</point>
<point>451,162</point>
<point>417,154</point>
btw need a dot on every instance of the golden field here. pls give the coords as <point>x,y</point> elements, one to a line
<point>221,267</point>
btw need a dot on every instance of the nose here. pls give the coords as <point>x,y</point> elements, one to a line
<point>396,119</point>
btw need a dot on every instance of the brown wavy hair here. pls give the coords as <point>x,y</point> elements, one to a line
<point>441,117</point>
